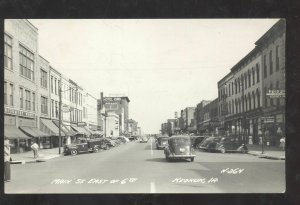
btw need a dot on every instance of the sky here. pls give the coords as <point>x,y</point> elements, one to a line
<point>162,65</point>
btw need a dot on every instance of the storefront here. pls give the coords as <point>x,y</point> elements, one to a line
<point>42,138</point>
<point>19,141</point>
<point>50,128</point>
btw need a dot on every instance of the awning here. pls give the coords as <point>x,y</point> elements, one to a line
<point>12,132</point>
<point>80,130</point>
<point>98,132</point>
<point>64,128</point>
<point>89,130</point>
<point>33,132</point>
<point>52,127</point>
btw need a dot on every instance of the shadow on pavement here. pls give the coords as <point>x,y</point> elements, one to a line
<point>162,159</point>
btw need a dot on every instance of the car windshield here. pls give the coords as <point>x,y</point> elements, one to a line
<point>162,139</point>
<point>209,140</point>
<point>180,141</point>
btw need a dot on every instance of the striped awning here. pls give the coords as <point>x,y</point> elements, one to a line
<point>12,132</point>
<point>33,132</point>
<point>80,130</point>
<point>52,127</point>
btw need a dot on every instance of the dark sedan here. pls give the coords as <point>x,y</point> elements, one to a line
<point>161,142</point>
<point>179,147</point>
<point>223,144</point>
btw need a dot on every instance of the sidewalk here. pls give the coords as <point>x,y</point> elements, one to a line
<point>270,152</point>
<point>27,157</point>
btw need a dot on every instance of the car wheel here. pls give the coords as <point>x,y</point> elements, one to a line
<point>96,149</point>
<point>192,159</point>
<point>74,152</point>
<point>243,150</point>
<point>222,150</point>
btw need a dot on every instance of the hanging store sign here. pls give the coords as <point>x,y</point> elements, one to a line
<point>276,94</point>
<point>111,99</point>
<point>66,108</point>
<point>19,112</point>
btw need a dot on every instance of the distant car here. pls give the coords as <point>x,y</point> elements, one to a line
<point>197,140</point>
<point>143,139</point>
<point>179,147</point>
<point>161,142</point>
<point>223,144</point>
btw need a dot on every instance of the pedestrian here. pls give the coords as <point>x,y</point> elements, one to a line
<point>6,160</point>
<point>35,149</point>
<point>282,142</point>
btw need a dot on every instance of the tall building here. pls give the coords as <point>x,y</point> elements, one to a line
<point>243,94</point>
<point>119,105</point>
<point>21,98</point>
<point>188,119</point>
<point>272,48</point>
<point>199,115</point>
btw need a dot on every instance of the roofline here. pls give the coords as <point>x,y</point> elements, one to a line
<point>277,26</point>
<point>44,58</point>
<point>51,68</point>
<point>254,51</point>
<point>31,24</point>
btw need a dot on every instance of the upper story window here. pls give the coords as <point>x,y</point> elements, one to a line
<point>55,89</point>
<point>8,52</point>
<point>44,78</point>
<point>21,97</point>
<point>277,58</point>
<point>249,78</point>
<point>51,84</point>
<point>271,62</point>
<point>26,63</point>
<point>44,105</point>
<point>257,72</point>
<point>27,100</point>
<point>33,101</point>
<point>253,76</point>
<point>11,94</point>
<point>265,66</point>
<point>5,93</point>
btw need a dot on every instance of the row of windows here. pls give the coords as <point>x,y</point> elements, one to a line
<point>265,64</point>
<point>246,80</point>
<point>8,52</point>
<point>8,93</point>
<point>26,60</point>
<point>245,103</point>
<point>76,115</point>
<point>29,99</point>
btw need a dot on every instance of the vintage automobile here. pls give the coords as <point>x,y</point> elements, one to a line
<point>81,145</point>
<point>161,142</point>
<point>223,144</point>
<point>179,147</point>
<point>143,139</point>
<point>196,141</point>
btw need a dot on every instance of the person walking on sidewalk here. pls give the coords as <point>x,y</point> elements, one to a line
<point>6,160</point>
<point>35,149</point>
<point>282,143</point>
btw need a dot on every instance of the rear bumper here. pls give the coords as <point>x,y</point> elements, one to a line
<point>182,156</point>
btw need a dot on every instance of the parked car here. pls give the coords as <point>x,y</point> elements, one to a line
<point>143,139</point>
<point>179,147</point>
<point>81,145</point>
<point>223,144</point>
<point>161,142</point>
<point>197,140</point>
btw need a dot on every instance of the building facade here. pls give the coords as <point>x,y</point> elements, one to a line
<point>21,98</point>
<point>199,115</point>
<point>272,48</point>
<point>188,119</point>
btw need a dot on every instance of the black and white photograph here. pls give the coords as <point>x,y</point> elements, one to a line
<point>154,106</point>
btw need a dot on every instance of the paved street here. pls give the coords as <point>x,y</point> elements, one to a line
<point>137,168</point>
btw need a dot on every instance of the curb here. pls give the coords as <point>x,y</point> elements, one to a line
<point>34,160</point>
<point>267,156</point>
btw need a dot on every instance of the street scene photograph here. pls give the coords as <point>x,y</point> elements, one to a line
<point>144,106</point>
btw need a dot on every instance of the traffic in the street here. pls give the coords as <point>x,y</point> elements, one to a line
<point>135,167</point>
